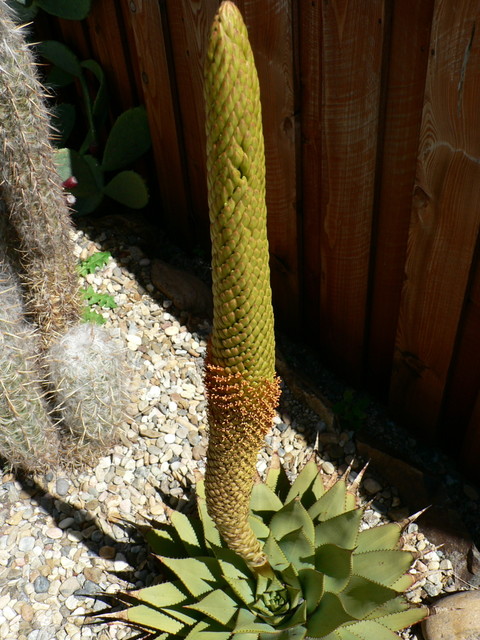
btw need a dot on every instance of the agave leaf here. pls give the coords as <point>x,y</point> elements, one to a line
<point>385,536</point>
<point>384,567</point>
<point>404,583</point>
<point>276,478</point>
<point>297,633</point>
<point>368,630</point>
<point>276,557</point>
<point>396,605</point>
<point>245,618</point>
<point>264,502</point>
<point>217,605</point>
<point>290,577</point>
<point>231,563</point>
<point>298,549</point>
<point>145,616</point>
<point>341,530</point>
<point>336,564</point>
<point>329,615</point>
<point>308,485</point>
<point>312,587</point>
<point>331,504</point>
<point>243,589</point>
<point>161,595</point>
<point>204,630</point>
<point>299,617</point>
<point>256,627</point>
<point>211,534</point>
<point>361,596</point>
<point>292,517</point>
<point>186,533</point>
<point>259,528</point>
<point>403,619</point>
<point>163,540</point>
<point>197,574</point>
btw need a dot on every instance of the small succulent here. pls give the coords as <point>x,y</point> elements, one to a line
<point>327,579</point>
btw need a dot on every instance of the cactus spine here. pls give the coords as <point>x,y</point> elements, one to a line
<point>240,380</point>
<point>31,190</point>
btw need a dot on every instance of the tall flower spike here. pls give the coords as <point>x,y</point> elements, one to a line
<point>240,380</point>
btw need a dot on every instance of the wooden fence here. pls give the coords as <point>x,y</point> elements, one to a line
<point>372,129</point>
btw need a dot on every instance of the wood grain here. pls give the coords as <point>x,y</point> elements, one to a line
<point>108,49</point>
<point>445,217</point>
<point>310,64</point>
<point>403,86</point>
<point>352,44</point>
<point>156,80</point>
<point>189,25</point>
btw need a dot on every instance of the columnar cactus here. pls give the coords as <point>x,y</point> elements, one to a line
<point>28,438</point>
<point>242,389</point>
<point>31,191</point>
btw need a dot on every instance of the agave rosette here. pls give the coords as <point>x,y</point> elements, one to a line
<point>329,578</point>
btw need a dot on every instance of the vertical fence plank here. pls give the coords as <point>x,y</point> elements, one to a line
<point>352,57</point>
<point>156,78</point>
<point>470,454</point>
<point>405,84</point>
<point>445,217</point>
<point>189,25</point>
<point>271,26</point>
<point>463,385</point>
<point>310,67</point>
<point>108,49</point>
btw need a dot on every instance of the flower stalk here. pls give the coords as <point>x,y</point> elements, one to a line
<point>241,385</point>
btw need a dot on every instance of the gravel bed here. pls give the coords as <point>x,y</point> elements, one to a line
<point>60,536</point>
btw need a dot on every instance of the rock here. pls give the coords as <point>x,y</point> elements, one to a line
<point>93,574</point>
<point>456,617</point>
<point>444,527</point>
<point>186,291</point>
<point>62,486</point>
<point>371,486</point>
<point>69,586</point>
<point>26,543</point>
<point>107,552</point>
<point>41,584</point>
<point>54,532</point>
<point>27,612</point>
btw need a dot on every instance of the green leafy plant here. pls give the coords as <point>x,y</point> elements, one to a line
<point>271,560</point>
<point>92,263</point>
<point>84,173</point>
<point>350,410</point>
<point>329,578</point>
<point>92,297</point>
<point>70,10</point>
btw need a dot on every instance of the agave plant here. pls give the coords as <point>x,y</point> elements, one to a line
<point>329,579</point>
<point>268,560</point>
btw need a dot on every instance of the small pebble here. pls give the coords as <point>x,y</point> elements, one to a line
<point>62,486</point>
<point>41,584</point>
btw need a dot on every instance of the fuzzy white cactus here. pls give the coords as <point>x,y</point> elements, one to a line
<point>87,371</point>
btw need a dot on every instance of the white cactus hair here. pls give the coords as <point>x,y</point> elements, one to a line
<point>87,371</point>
